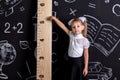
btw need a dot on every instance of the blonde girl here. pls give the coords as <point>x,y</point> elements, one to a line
<point>78,51</point>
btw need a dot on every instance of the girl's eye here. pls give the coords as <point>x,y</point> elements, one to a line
<point>73,27</point>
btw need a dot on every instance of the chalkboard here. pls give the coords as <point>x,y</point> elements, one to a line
<point>103,19</point>
<point>17,39</point>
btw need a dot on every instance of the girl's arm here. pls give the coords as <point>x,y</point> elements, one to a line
<point>60,24</point>
<point>86,60</point>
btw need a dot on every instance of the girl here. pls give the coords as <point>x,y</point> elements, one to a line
<point>78,47</point>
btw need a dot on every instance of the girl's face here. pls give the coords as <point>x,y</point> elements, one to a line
<point>77,27</point>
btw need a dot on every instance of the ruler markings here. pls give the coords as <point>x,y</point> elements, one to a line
<point>44,40</point>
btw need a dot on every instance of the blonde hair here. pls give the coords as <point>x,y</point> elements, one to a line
<point>84,32</point>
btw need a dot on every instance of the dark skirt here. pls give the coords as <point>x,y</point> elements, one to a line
<point>75,69</point>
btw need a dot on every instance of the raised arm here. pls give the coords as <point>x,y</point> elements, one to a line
<point>60,24</point>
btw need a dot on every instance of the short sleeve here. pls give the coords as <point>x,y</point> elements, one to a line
<point>86,43</point>
<point>70,34</point>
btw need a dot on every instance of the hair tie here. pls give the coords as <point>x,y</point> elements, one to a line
<point>83,19</point>
<point>69,23</point>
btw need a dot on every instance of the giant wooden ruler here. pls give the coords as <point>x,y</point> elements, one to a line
<point>44,40</point>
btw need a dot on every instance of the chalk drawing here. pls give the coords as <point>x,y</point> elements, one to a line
<point>107,1</point>
<point>35,53</point>
<point>55,36</point>
<point>35,29</point>
<point>54,13</point>
<point>7,56</point>
<point>19,75</point>
<point>116,9</point>
<point>9,28</point>
<point>70,1</point>
<point>54,57</point>
<point>97,71</point>
<point>7,6</point>
<point>24,45</point>
<point>115,78</point>
<point>22,8</point>
<point>56,3</point>
<point>35,26</point>
<point>72,12</point>
<point>31,77</point>
<point>92,5</point>
<point>104,36</point>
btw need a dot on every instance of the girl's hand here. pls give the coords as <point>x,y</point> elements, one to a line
<point>50,18</point>
<point>85,71</point>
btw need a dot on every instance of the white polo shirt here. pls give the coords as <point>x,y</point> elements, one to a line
<point>77,45</point>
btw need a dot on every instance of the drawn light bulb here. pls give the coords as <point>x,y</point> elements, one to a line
<point>7,56</point>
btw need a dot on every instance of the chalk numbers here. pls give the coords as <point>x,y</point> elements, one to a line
<point>16,28</point>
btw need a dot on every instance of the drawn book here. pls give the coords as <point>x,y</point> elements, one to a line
<point>104,37</point>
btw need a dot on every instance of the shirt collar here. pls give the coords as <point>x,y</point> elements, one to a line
<point>79,36</point>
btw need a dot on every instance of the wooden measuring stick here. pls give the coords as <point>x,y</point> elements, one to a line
<point>44,40</point>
